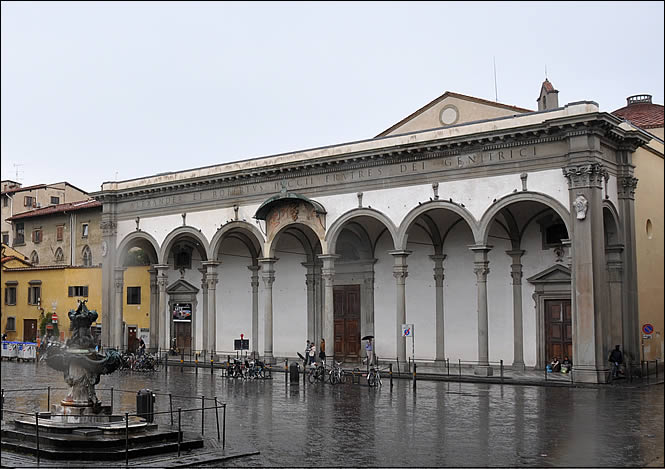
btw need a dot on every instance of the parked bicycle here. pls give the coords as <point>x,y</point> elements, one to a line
<point>374,377</point>
<point>316,373</point>
<point>336,373</point>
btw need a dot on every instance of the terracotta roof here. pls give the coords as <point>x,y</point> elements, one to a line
<point>548,86</point>
<point>69,207</point>
<point>22,261</point>
<point>642,112</point>
<point>27,188</point>
<point>452,95</point>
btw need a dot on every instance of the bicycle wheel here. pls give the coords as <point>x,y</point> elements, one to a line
<point>310,377</point>
<point>334,378</point>
<point>371,378</point>
<point>342,377</point>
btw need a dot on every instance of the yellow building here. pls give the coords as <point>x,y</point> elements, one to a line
<point>649,220</point>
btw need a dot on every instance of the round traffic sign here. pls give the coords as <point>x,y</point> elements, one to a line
<point>54,317</point>
<point>647,328</point>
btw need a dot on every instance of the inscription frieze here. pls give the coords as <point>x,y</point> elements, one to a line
<point>376,169</point>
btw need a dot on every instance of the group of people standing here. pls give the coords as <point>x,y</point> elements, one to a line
<point>310,352</point>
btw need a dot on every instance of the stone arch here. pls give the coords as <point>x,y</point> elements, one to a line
<point>131,240</point>
<point>177,233</point>
<point>611,221</point>
<point>410,217</point>
<point>251,231</point>
<point>333,233</point>
<point>86,254</point>
<point>489,215</point>
<point>307,236</point>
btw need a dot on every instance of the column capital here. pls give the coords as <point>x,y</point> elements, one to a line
<point>399,253</point>
<point>589,174</point>
<point>516,254</point>
<point>210,264</point>
<point>161,268</point>
<point>254,268</point>
<point>119,270</point>
<point>438,258</point>
<point>626,186</point>
<point>482,249</point>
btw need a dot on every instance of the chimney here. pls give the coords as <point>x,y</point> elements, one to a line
<point>638,99</point>
<point>549,97</point>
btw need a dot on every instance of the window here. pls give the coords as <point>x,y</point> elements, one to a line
<point>78,291</point>
<point>183,257</point>
<point>55,200</point>
<point>28,201</point>
<point>5,237</point>
<point>37,236</point>
<point>11,324</point>
<point>555,233</point>
<point>59,255</point>
<point>87,256</point>
<point>84,230</point>
<point>34,258</point>
<point>133,295</point>
<point>5,201</point>
<point>20,234</point>
<point>59,232</point>
<point>34,292</point>
<point>10,293</point>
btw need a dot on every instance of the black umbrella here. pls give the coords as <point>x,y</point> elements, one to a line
<point>301,357</point>
<point>367,337</point>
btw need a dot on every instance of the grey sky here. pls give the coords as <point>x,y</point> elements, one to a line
<point>91,89</point>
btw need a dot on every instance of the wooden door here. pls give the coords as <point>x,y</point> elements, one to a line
<point>29,330</point>
<point>183,336</point>
<point>558,330</point>
<point>131,339</point>
<point>346,303</point>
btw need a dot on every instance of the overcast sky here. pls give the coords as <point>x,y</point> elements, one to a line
<point>94,92</point>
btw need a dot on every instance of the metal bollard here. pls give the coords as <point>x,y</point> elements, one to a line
<point>391,375</point>
<point>647,371</point>
<point>224,429</point>
<point>203,406</point>
<point>179,428</point>
<point>171,407</point>
<point>286,371</point>
<point>459,367</point>
<point>414,374</point>
<point>37,434</point>
<point>448,366</point>
<point>212,365</point>
<point>2,404</point>
<point>501,362</point>
<point>196,363</point>
<point>48,400</point>
<point>126,438</point>
<point>166,363</point>
<point>217,417</point>
<point>111,399</point>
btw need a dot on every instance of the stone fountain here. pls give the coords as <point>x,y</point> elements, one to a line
<point>81,427</point>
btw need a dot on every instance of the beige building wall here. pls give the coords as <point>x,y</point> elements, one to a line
<point>649,221</point>
<point>465,111</point>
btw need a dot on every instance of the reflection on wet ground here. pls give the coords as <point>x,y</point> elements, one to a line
<point>437,424</point>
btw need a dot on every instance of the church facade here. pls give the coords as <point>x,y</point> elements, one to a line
<point>496,232</point>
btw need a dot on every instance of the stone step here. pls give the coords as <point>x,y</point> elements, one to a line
<point>91,452</point>
<point>82,442</point>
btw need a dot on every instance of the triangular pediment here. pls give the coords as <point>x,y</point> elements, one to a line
<point>181,287</point>
<point>555,274</point>
<point>452,109</point>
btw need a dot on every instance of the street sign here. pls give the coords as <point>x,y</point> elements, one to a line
<point>54,318</point>
<point>646,336</point>
<point>647,328</point>
<point>407,330</point>
<point>241,344</point>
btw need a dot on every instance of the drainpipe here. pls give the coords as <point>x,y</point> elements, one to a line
<point>71,239</point>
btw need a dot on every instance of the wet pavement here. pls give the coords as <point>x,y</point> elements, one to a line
<point>438,424</point>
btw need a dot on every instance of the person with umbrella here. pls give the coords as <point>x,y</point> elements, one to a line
<point>369,350</point>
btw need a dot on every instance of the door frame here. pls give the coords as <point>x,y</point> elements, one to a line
<point>32,321</point>
<point>551,284</point>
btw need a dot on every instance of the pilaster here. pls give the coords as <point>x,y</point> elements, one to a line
<point>518,333</point>
<point>268,275</point>
<point>481,269</point>
<point>439,322</point>
<point>400,272</point>
<point>255,307</point>
<point>328,276</point>
<point>211,280</point>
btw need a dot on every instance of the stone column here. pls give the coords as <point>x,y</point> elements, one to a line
<point>118,341</point>
<point>108,226</point>
<point>268,275</point>
<point>154,310</point>
<point>211,280</point>
<point>318,302</point>
<point>585,181</point>
<point>481,269</point>
<point>400,272</point>
<point>367,313</point>
<point>310,282</point>
<point>518,333</point>
<point>439,319</point>
<point>328,275</point>
<point>614,333</point>
<point>164,315</point>
<point>203,317</point>
<point>626,185</point>
<point>255,307</point>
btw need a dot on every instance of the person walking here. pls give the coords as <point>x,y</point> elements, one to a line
<point>322,352</point>
<point>616,359</point>
<point>307,353</point>
<point>369,350</point>
<point>311,352</point>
